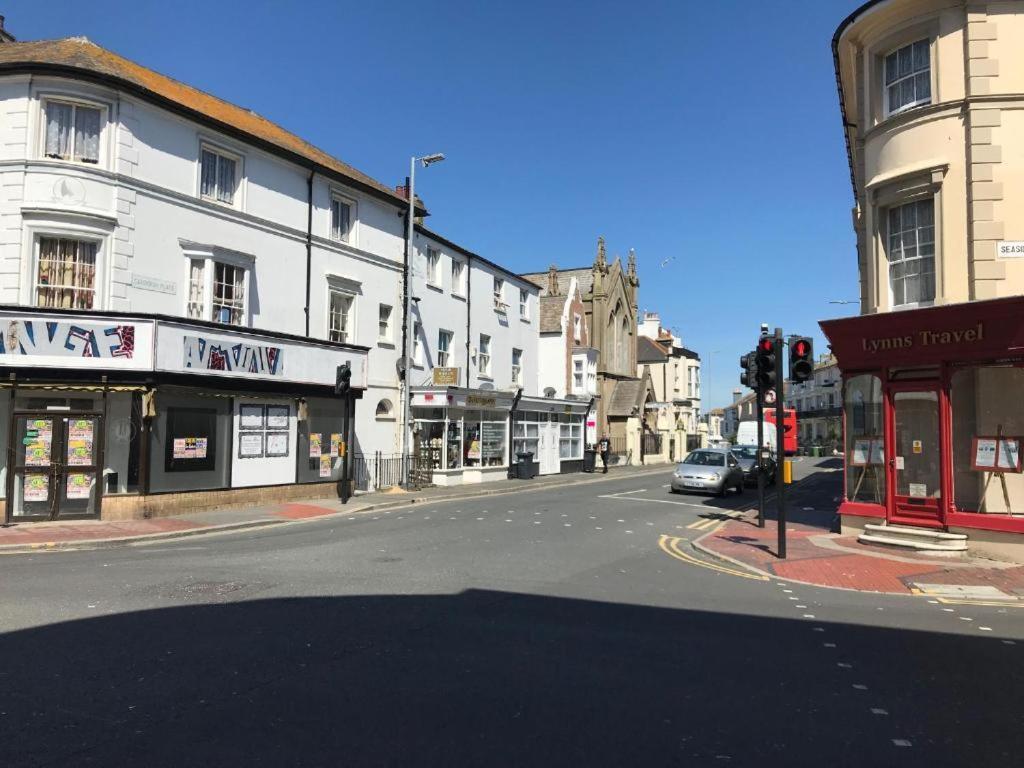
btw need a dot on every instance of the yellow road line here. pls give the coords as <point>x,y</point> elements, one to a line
<point>670,546</point>
<point>968,601</point>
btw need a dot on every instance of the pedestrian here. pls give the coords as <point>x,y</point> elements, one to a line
<point>603,447</point>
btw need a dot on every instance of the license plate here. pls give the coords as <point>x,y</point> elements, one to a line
<point>693,485</point>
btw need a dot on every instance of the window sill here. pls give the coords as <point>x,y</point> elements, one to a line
<point>220,203</point>
<point>485,377</point>
<point>386,343</point>
<point>435,287</point>
<point>524,320</point>
<point>459,296</point>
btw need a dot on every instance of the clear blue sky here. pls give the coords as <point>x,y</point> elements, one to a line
<point>708,133</point>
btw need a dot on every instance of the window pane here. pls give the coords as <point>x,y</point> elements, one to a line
<point>865,474</point>
<point>196,280</point>
<point>894,96</point>
<point>905,61</point>
<point>225,179</point>
<point>228,304</point>
<point>923,83</point>
<point>208,184</point>
<point>58,130</point>
<point>920,55</point>
<point>67,273</point>
<point>341,219</point>
<point>87,134</point>
<point>891,70</point>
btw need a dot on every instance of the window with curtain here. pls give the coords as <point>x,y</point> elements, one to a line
<point>517,366</point>
<point>218,177</point>
<point>72,132</point>
<point>911,252</point>
<point>340,316</point>
<point>384,323</point>
<point>228,294</point>
<point>434,266</point>
<point>457,272</point>
<point>67,273</point>
<point>341,219</point>
<point>196,289</point>
<point>444,345</point>
<point>484,356</point>
<point>908,77</point>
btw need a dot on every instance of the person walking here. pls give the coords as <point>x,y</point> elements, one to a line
<point>604,445</point>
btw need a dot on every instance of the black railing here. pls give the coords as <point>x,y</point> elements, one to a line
<point>650,444</point>
<point>380,471</point>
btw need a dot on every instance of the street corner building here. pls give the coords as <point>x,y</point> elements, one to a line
<point>179,281</point>
<point>933,368</point>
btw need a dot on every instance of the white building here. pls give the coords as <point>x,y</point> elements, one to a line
<point>818,405</point>
<point>675,374</point>
<point>180,279</point>
<point>475,378</point>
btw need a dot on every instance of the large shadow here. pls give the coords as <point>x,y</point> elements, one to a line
<point>485,678</point>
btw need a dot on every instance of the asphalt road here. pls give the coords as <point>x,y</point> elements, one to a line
<point>535,628</point>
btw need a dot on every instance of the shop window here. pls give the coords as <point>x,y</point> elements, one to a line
<point>527,433</point>
<point>319,444</point>
<point>67,273</point>
<point>191,442</point>
<point>865,468</point>
<point>430,442</point>
<point>453,446</point>
<point>987,408</point>
<point>384,409</point>
<point>570,437</point>
<point>484,439</point>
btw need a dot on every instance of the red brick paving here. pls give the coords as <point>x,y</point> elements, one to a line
<point>44,533</point>
<point>876,569</point>
<point>302,511</point>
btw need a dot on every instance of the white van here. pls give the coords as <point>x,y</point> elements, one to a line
<point>746,434</point>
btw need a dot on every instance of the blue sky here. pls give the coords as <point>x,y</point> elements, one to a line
<point>704,133</point>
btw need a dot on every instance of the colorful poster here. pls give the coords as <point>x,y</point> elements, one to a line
<point>315,445</point>
<point>335,445</point>
<point>277,416</point>
<point>37,454</point>
<point>200,447</point>
<point>37,488</point>
<point>79,453</point>
<point>79,485</point>
<point>277,443</point>
<point>325,466</point>
<point>250,445</point>
<point>474,450</point>
<point>178,451</point>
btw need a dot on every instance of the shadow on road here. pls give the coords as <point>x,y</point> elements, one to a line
<point>488,678</point>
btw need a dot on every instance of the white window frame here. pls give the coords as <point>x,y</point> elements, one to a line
<point>499,295</point>
<point>210,257</point>
<point>458,281</point>
<point>887,111</point>
<point>387,338</point>
<point>417,346</point>
<point>332,291</point>
<point>447,351</point>
<point>517,367</point>
<point>349,237</point>
<point>336,283</point>
<point>98,274</point>
<point>433,267</point>
<point>75,101</point>
<point>524,304</point>
<point>887,249</point>
<point>483,356</point>
<point>218,149</point>
<point>578,374</point>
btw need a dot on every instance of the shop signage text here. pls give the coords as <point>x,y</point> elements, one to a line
<point>210,355</point>
<point>446,377</point>
<point>483,402</point>
<point>925,339</point>
<point>41,338</point>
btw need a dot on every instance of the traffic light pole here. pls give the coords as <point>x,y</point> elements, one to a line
<point>780,450</point>
<point>760,456</point>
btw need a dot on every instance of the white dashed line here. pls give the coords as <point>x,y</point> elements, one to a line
<point>598,528</point>
<point>1009,642</point>
<point>965,618</point>
<point>801,606</point>
<point>844,665</point>
<point>948,610</point>
<point>567,525</point>
<point>985,629</point>
<point>878,711</point>
<point>808,615</point>
<point>829,645</point>
<point>901,743</point>
<point>819,629</point>
<point>628,531</point>
<point>860,686</point>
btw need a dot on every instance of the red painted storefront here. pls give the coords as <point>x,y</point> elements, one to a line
<point>920,388</point>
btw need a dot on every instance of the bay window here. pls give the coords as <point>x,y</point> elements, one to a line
<point>907,77</point>
<point>66,274</point>
<point>72,132</point>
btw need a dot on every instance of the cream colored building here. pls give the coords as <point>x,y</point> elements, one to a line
<point>932,101</point>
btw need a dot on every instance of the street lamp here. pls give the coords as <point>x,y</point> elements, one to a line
<point>427,161</point>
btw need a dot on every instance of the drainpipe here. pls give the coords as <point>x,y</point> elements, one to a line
<point>469,300</point>
<point>309,242</point>
<point>512,429</point>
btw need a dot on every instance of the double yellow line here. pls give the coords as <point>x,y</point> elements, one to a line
<point>670,546</point>
<point>705,524</point>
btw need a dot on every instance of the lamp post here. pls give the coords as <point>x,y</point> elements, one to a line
<point>410,231</point>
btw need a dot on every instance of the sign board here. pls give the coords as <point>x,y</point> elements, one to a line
<point>59,341</point>
<point>155,284</point>
<point>996,454</point>
<point>1010,249</point>
<point>769,397</point>
<point>446,377</point>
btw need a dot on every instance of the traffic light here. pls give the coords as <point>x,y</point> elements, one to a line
<point>801,359</point>
<point>766,373</point>
<point>748,363</point>
<point>343,379</point>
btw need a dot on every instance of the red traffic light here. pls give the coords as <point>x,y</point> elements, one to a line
<point>800,348</point>
<point>767,345</point>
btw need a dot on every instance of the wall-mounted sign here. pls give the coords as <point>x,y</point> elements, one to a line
<point>154,284</point>
<point>1010,249</point>
<point>446,377</point>
<point>242,357</point>
<point>481,401</point>
<point>925,339</point>
<point>79,338</point>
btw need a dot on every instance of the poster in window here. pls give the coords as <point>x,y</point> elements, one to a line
<point>877,454</point>
<point>79,485</point>
<point>277,416</point>
<point>191,439</point>
<point>250,416</point>
<point>316,440</point>
<point>996,454</point>
<point>277,444</point>
<point>861,455</point>
<point>250,445</point>
<point>37,488</point>
<point>325,466</point>
<point>493,434</point>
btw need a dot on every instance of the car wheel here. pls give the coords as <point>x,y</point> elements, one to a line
<point>740,487</point>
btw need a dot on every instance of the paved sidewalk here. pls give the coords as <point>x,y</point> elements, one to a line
<point>32,537</point>
<point>830,560</point>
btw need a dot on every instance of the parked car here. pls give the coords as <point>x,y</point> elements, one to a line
<point>747,457</point>
<point>711,470</point>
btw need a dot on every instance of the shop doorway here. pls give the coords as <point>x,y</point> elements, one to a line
<point>548,444</point>
<point>54,466</point>
<point>915,461</point>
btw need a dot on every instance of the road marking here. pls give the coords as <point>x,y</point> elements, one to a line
<point>901,743</point>
<point>662,501</point>
<point>860,686</point>
<point>670,546</point>
<point>622,493</point>
<point>985,629</point>
<point>878,711</point>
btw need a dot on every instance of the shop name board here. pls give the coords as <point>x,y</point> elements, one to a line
<point>924,339</point>
<point>483,402</point>
<point>446,377</point>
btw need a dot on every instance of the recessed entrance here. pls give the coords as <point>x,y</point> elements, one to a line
<point>915,462</point>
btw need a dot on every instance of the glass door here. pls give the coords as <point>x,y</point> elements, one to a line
<point>915,463</point>
<point>54,468</point>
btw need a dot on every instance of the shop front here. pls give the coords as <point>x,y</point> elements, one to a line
<point>464,434</point>
<point>120,416</point>
<point>933,414</point>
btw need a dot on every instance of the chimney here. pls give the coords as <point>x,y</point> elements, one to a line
<point>5,36</point>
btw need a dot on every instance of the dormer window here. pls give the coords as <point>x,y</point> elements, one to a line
<point>908,77</point>
<point>72,132</point>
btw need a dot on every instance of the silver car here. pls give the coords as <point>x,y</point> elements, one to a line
<point>711,470</point>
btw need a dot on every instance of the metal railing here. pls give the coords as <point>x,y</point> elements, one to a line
<point>379,471</point>
<point>650,444</point>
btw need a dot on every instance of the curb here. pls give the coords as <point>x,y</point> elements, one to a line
<point>78,545</point>
<point>696,545</point>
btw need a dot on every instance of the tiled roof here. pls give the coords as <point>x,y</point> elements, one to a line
<point>625,397</point>
<point>78,53</point>
<point>584,278</point>
<point>649,351</point>
<point>551,313</point>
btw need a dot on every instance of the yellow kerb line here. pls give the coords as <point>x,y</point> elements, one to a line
<point>670,546</point>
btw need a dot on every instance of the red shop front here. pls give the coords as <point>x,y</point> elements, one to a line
<point>933,415</point>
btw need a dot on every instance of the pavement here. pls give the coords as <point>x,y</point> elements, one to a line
<point>17,538</point>
<point>567,625</point>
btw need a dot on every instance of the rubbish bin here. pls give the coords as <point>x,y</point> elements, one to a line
<point>816,451</point>
<point>524,465</point>
<point>589,459</point>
